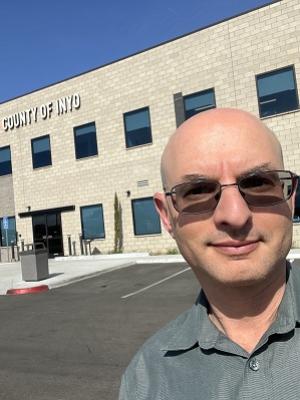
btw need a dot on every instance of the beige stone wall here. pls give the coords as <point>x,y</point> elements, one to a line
<point>226,56</point>
<point>7,202</point>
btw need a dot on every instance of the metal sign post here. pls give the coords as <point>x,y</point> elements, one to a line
<point>5,227</point>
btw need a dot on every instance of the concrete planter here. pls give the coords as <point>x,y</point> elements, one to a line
<point>34,265</point>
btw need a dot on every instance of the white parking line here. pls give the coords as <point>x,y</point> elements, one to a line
<point>155,283</point>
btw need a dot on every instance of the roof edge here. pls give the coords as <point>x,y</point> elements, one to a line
<point>141,51</point>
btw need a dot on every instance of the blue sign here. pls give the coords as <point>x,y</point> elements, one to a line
<point>5,222</point>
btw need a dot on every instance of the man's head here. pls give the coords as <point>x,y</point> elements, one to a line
<point>235,243</point>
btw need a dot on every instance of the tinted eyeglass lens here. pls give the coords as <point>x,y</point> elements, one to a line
<point>196,197</point>
<point>260,189</point>
<point>266,188</point>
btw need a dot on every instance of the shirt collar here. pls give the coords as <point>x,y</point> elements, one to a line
<point>197,328</point>
<point>289,310</point>
<point>295,291</point>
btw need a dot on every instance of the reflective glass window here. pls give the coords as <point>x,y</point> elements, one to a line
<point>92,222</point>
<point>137,127</point>
<point>145,217</point>
<point>297,205</point>
<point>277,92</point>
<point>41,152</point>
<point>85,140</point>
<point>5,160</point>
<point>197,102</point>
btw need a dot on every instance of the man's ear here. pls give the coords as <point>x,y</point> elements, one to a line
<point>161,206</point>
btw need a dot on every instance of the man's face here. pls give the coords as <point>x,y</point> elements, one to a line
<point>234,244</point>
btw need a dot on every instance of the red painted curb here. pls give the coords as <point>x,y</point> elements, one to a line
<point>34,289</point>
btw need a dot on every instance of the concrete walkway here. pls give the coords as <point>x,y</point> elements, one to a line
<point>66,270</point>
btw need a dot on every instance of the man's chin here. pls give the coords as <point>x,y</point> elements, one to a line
<point>242,281</point>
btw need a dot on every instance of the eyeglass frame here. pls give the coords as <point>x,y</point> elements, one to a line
<point>294,178</point>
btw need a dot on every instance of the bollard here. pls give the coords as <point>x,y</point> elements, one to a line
<point>13,251</point>
<point>69,245</point>
<point>81,245</point>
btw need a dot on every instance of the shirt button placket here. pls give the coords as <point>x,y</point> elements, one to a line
<point>254,364</point>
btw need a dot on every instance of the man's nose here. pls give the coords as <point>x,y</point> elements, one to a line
<point>232,209</point>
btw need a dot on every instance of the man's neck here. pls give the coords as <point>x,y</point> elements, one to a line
<point>245,314</point>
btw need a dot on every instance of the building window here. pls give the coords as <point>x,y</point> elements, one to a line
<point>8,236</point>
<point>137,127</point>
<point>85,140</point>
<point>5,161</point>
<point>92,222</point>
<point>277,92</point>
<point>145,217</point>
<point>297,206</point>
<point>41,152</point>
<point>197,102</point>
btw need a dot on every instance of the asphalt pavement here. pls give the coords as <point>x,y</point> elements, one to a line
<point>74,342</point>
<point>67,270</point>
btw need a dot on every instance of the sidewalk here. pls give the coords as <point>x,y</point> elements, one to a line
<point>66,270</point>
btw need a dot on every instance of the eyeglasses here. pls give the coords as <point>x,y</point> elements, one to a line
<point>259,189</point>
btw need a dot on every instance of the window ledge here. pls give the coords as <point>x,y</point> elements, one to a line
<point>139,145</point>
<point>147,235</point>
<point>280,114</point>
<point>86,158</point>
<point>43,167</point>
<point>92,240</point>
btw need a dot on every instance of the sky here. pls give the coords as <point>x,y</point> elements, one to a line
<point>43,42</point>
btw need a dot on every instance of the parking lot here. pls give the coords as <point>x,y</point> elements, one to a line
<point>74,342</point>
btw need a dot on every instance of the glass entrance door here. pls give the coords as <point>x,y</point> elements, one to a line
<point>47,230</point>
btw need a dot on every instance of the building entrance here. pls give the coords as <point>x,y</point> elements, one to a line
<point>47,230</point>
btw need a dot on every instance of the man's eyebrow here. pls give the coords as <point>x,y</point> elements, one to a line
<point>193,177</point>
<point>257,168</point>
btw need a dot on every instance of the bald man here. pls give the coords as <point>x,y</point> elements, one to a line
<point>228,203</point>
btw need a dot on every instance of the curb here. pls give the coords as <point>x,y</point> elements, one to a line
<point>102,257</point>
<point>33,289</point>
<point>161,260</point>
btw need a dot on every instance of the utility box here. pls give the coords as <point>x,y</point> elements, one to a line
<point>34,264</point>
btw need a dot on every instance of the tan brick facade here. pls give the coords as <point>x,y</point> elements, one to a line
<point>226,57</point>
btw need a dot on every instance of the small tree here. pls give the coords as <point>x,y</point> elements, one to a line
<point>118,248</point>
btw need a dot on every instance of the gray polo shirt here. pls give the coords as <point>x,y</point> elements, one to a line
<point>191,359</point>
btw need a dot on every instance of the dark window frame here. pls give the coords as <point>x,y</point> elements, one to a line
<point>133,217</point>
<point>32,154</point>
<point>200,92</point>
<point>10,169</point>
<point>178,108</point>
<point>81,221</point>
<point>75,142</point>
<point>273,71</point>
<point>128,113</point>
<point>296,216</point>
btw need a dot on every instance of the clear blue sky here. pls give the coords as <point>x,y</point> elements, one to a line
<point>42,42</point>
